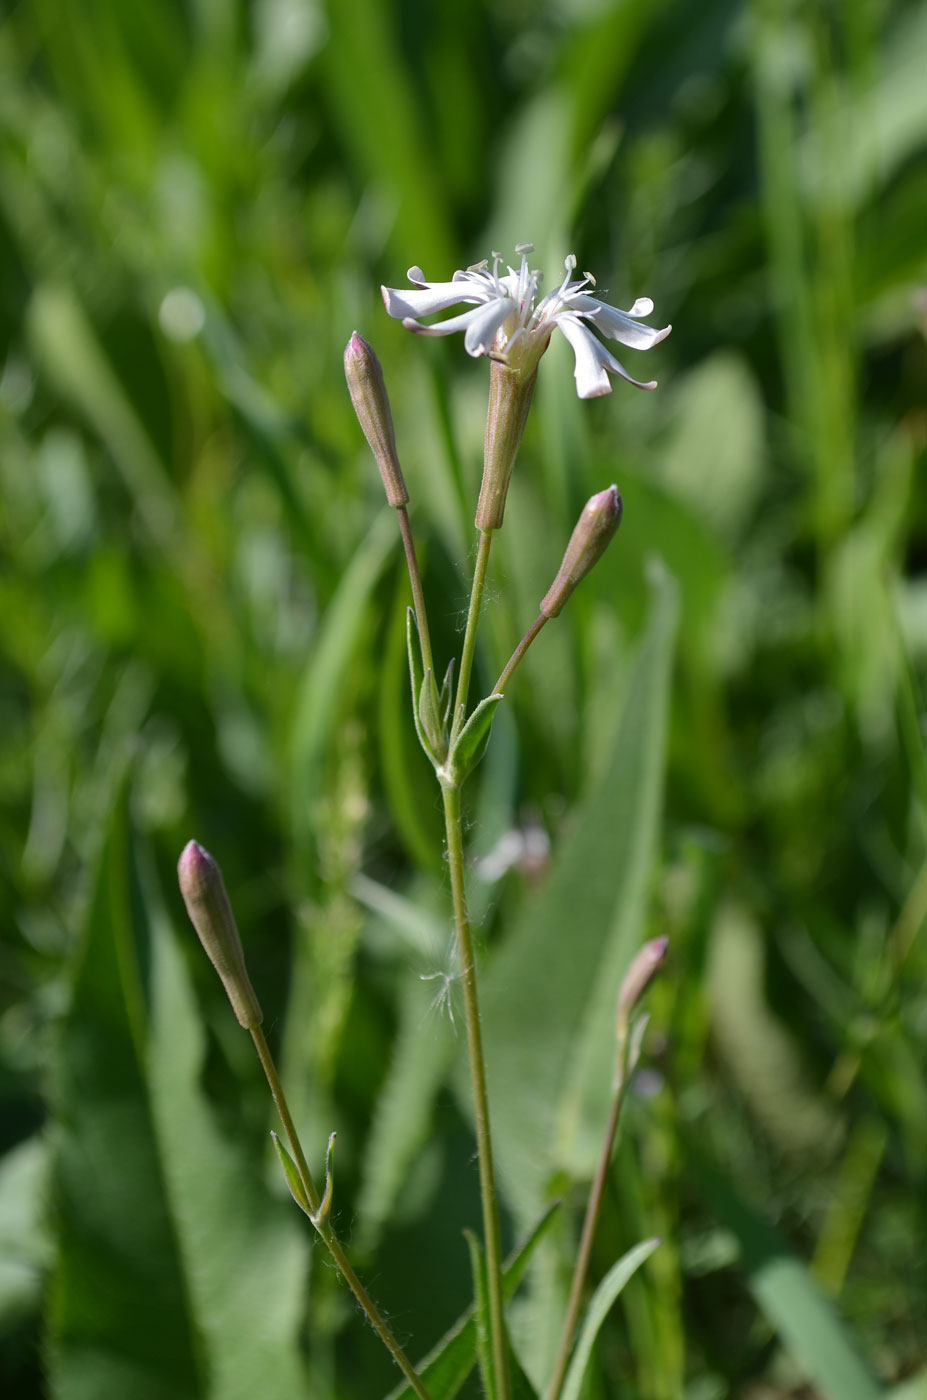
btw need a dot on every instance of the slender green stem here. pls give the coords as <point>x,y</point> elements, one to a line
<point>593,1207</point>
<point>518,653</point>
<point>276,1089</point>
<point>418,597</point>
<point>455,860</point>
<point>469,641</point>
<point>325,1230</point>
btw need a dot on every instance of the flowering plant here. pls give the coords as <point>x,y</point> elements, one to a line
<point>510,324</point>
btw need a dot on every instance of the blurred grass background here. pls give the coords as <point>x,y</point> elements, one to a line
<point>201,634</point>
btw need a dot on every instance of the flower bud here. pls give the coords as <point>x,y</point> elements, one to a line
<point>510,394</point>
<point>371,404</point>
<point>600,518</point>
<point>211,915</point>
<point>644,968</point>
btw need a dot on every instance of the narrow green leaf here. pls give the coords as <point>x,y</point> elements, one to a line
<point>481,1314</point>
<point>472,740</point>
<point>429,714</point>
<point>446,693</point>
<point>449,1363</point>
<point>292,1176</point>
<point>325,1206</point>
<point>599,1307</point>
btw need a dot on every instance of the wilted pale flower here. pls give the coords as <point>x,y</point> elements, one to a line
<point>509,323</point>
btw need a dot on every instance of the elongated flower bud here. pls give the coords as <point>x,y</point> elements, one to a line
<point>510,394</point>
<point>371,404</point>
<point>600,518</point>
<point>644,967</point>
<point>211,915</point>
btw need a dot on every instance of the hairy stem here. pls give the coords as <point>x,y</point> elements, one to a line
<point>455,860</point>
<point>325,1230</point>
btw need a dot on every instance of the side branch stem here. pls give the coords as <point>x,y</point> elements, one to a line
<point>455,860</point>
<point>325,1230</point>
<point>518,653</point>
<point>418,597</point>
<point>590,1222</point>
<point>469,642</point>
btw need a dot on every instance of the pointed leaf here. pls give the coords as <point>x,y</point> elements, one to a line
<point>429,715</point>
<point>291,1176</point>
<point>325,1208</point>
<point>602,1301</point>
<point>472,740</point>
<point>446,694</point>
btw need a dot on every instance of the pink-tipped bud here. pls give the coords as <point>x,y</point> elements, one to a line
<point>211,915</point>
<point>510,394</point>
<point>644,968</point>
<point>600,518</point>
<point>367,388</point>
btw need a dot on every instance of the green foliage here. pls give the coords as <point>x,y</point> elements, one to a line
<point>201,635</point>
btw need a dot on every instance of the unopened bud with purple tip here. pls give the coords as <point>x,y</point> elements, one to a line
<point>600,518</point>
<point>367,388</point>
<point>644,968</point>
<point>211,915</point>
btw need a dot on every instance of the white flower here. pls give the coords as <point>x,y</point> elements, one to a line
<point>509,323</point>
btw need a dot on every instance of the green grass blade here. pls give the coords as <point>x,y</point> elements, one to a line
<point>602,1300</point>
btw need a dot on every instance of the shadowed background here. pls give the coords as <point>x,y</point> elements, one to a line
<point>202,612</point>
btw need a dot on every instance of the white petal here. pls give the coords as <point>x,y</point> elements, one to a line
<point>594,362</point>
<point>481,332</point>
<point>436,296</point>
<point>642,307</point>
<point>618,325</point>
<point>481,315</point>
